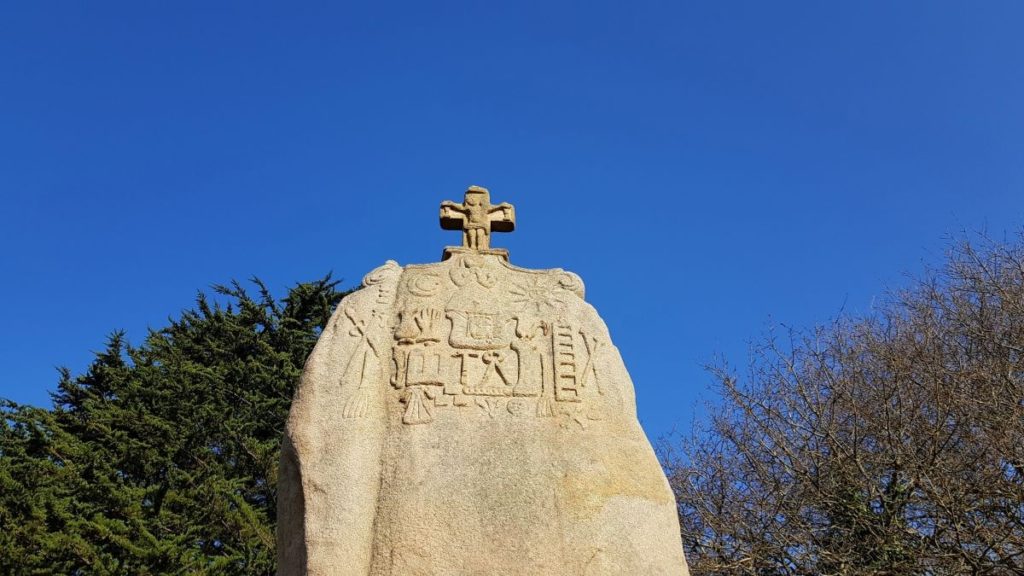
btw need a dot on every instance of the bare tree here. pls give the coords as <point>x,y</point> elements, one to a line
<point>888,444</point>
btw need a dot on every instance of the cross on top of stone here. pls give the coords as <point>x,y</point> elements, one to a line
<point>477,218</point>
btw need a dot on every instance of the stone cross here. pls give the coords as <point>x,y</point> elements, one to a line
<point>477,218</point>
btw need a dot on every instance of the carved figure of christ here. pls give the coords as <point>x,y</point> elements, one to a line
<point>477,217</point>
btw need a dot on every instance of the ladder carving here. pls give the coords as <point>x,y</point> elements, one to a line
<point>566,383</point>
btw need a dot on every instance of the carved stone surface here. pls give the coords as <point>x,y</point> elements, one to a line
<point>470,417</point>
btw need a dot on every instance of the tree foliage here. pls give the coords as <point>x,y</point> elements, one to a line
<point>162,458</point>
<point>886,444</point>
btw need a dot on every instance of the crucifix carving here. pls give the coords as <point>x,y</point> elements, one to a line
<point>477,218</point>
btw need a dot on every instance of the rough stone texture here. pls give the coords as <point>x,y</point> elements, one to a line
<point>470,418</point>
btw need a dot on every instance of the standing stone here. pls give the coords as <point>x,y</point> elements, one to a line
<point>470,417</point>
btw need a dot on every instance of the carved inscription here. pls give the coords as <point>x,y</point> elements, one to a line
<point>473,268</point>
<point>498,347</point>
<point>489,405</point>
<point>592,344</point>
<point>417,325</point>
<point>365,362</point>
<point>566,383</point>
<point>424,367</point>
<point>532,347</point>
<point>417,411</point>
<point>517,407</point>
<point>358,404</point>
<point>424,285</point>
<point>479,330</point>
<point>365,353</point>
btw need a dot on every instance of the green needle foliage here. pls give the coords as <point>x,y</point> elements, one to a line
<point>162,458</point>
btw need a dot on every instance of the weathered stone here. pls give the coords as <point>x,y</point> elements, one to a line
<point>470,417</point>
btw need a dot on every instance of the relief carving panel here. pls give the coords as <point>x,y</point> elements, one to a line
<point>486,336</point>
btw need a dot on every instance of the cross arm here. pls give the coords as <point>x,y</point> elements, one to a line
<point>503,217</point>
<point>452,215</point>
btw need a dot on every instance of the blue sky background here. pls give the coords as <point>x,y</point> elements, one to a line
<point>708,168</point>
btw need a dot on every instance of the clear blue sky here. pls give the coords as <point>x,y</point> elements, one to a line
<point>708,168</point>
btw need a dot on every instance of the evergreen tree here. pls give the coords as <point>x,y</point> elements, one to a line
<point>162,458</point>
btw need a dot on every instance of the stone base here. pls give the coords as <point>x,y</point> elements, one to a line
<point>450,251</point>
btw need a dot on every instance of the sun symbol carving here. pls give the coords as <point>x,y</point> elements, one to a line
<point>534,295</point>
